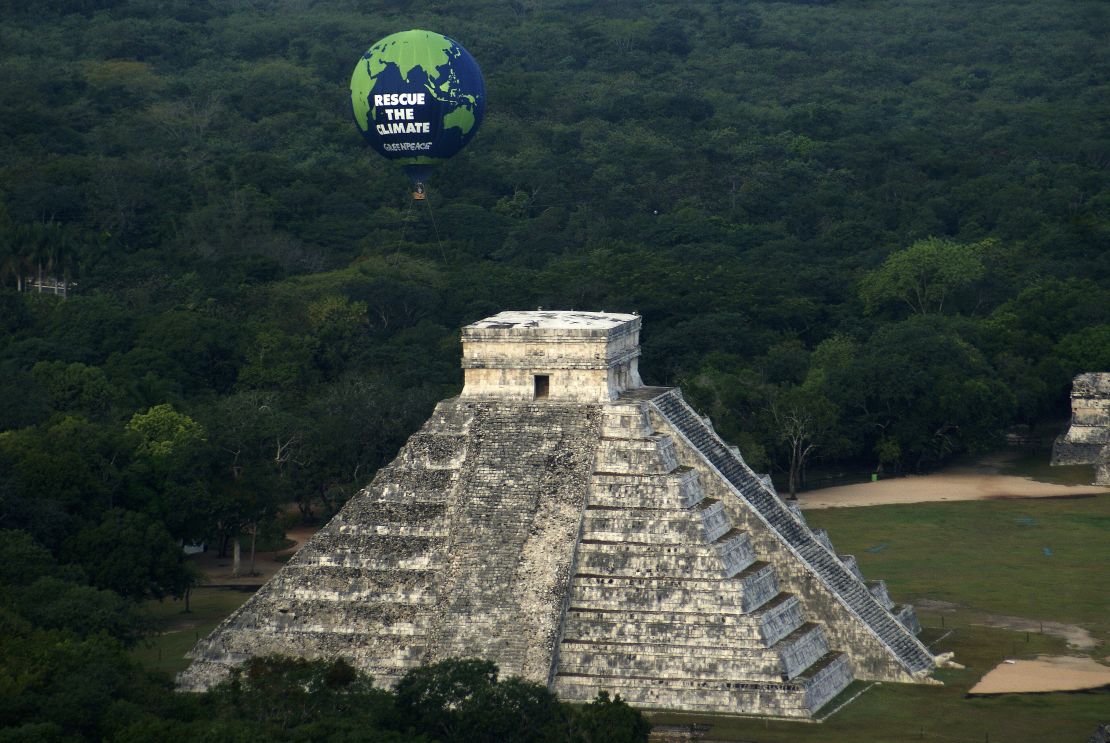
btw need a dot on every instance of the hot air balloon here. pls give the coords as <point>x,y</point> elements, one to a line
<point>418,97</point>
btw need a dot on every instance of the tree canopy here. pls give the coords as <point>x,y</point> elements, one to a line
<point>887,219</point>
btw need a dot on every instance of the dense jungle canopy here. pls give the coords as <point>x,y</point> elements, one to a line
<point>875,231</point>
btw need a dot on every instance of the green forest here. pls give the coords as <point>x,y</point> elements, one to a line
<point>866,234</point>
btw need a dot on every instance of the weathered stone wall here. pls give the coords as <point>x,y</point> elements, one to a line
<point>1089,431</point>
<point>670,606</point>
<point>1102,467</point>
<point>461,543</point>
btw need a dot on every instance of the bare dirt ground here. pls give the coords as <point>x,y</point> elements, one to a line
<point>980,481</point>
<point>1076,636</point>
<point>1045,673</point>
<point>218,570</point>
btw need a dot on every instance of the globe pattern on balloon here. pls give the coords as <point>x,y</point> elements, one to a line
<point>417,97</point>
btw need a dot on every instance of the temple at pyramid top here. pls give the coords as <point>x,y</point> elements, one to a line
<point>557,355</point>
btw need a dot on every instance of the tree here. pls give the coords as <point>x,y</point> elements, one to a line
<point>433,697</point>
<point>131,554</point>
<point>1087,349</point>
<point>802,419</point>
<point>75,386</point>
<point>609,720</point>
<point>167,436</point>
<point>282,695</point>
<point>924,276</point>
<point>463,700</point>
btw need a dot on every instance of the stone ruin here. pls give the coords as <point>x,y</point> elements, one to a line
<point>1087,440</point>
<point>585,532</point>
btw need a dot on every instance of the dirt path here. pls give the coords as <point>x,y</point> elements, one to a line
<point>218,570</point>
<point>981,481</point>
<point>1045,673</point>
<point>1076,636</point>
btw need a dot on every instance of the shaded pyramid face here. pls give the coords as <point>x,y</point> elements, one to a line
<point>584,532</point>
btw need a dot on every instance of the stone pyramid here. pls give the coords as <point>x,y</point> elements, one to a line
<point>585,532</point>
<point>1089,430</point>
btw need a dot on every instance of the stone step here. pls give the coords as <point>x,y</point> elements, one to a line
<point>822,536</point>
<point>878,590</point>
<point>715,522</point>
<point>434,450</point>
<point>347,549</point>
<point>828,676</point>
<point>778,617</point>
<point>674,662</point>
<point>644,628</point>
<point>850,563</point>
<point>658,526</point>
<point>427,561</point>
<point>908,617</point>
<point>313,614</point>
<point>434,530</point>
<point>652,455</point>
<point>625,422</point>
<point>730,555</point>
<point>735,552</point>
<point>705,564</point>
<point>747,591</point>
<point>801,649</point>
<point>398,484</point>
<point>670,490</point>
<point>334,578</point>
<point>799,697</point>
<point>366,511</point>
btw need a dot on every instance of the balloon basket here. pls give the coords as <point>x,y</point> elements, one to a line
<point>418,193</point>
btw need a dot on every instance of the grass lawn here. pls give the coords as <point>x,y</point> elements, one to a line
<point>175,632</point>
<point>1037,558</point>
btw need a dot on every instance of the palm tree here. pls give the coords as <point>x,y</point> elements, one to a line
<point>38,247</point>
<point>62,259</point>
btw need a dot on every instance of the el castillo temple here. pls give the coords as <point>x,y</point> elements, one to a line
<point>582,531</point>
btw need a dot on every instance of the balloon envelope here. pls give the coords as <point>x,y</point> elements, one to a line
<point>418,97</point>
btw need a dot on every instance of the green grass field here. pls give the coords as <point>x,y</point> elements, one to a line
<point>1035,558</point>
<point>175,632</point>
<point>986,557</point>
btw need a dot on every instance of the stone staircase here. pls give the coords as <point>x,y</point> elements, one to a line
<point>845,584</point>
<point>512,531</point>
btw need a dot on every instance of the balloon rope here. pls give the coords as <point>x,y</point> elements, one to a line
<point>405,219</point>
<point>442,253</point>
